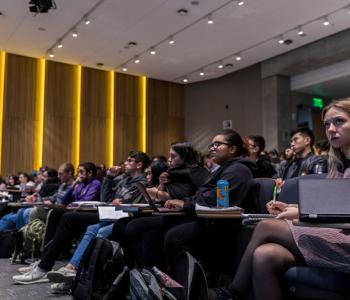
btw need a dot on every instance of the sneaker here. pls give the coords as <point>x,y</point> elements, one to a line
<point>62,275</point>
<point>60,288</point>
<point>220,293</point>
<point>26,269</point>
<point>35,275</point>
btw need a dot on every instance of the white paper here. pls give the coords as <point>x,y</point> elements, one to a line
<point>109,213</point>
<point>213,209</point>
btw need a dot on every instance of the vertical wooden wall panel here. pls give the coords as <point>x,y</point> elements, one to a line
<point>19,114</point>
<point>126,116</point>
<point>58,124</point>
<point>165,122</point>
<point>94,115</point>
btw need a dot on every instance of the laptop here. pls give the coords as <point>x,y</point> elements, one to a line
<point>324,200</point>
<point>151,203</point>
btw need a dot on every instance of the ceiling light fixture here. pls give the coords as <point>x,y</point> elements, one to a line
<point>74,33</point>
<point>210,20</point>
<point>201,73</point>
<point>220,65</point>
<point>301,31</point>
<point>281,39</point>
<point>185,80</point>
<point>171,40</point>
<point>51,54</point>
<point>240,3</point>
<point>326,21</point>
<point>59,44</point>
<point>136,60</point>
<point>238,57</point>
<point>152,51</point>
<point>87,20</point>
<point>124,68</point>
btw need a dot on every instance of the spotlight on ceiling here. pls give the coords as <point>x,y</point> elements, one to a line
<point>171,40</point>
<point>240,3</point>
<point>301,32</point>
<point>210,20</point>
<point>87,20</point>
<point>152,51</point>
<point>238,57</point>
<point>326,22</point>
<point>124,68</point>
<point>185,80</point>
<point>59,44</point>
<point>136,60</point>
<point>74,33</point>
<point>50,54</point>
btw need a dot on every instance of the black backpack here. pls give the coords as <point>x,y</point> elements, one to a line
<point>97,274</point>
<point>7,243</point>
<point>152,284</point>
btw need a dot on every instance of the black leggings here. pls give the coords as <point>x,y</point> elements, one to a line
<point>270,253</point>
<point>70,225</point>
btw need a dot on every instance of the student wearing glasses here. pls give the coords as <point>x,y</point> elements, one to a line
<point>145,237</point>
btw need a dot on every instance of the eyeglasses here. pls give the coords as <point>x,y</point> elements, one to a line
<point>130,160</point>
<point>217,144</point>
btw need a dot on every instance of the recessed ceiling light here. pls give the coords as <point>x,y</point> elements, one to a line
<point>201,73</point>
<point>59,44</point>
<point>185,80</point>
<point>220,66</point>
<point>136,60</point>
<point>240,3</point>
<point>238,57</point>
<point>125,69</point>
<point>152,51</point>
<point>87,20</point>
<point>182,12</point>
<point>301,31</point>
<point>171,40</point>
<point>326,21</point>
<point>281,40</point>
<point>51,54</point>
<point>210,20</point>
<point>74,33</point>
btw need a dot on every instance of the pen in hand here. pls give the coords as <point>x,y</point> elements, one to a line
<point>274,194</point>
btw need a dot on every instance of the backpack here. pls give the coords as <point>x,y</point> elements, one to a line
<point>155,285</point>
<point>7,243</point>
<point>28,241</point>
<point>97,273</point>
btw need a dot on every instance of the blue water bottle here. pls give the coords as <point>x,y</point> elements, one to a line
<point>222,197</point>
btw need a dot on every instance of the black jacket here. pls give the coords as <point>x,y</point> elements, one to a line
<point>122,187</point>
<point>239,173</point>
<point>265,168</point>
<point>185,181</point>
<point>310,164</point>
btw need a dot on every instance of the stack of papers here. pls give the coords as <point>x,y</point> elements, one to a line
<point>86,204</point>
<point>109,213</point>
<point>233,211</point>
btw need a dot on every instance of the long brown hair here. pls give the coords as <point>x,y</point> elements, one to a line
<point>335,159</point>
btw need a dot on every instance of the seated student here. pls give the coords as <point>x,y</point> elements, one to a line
<point>126,191</point>
<point>153,172</point>
<point>84,188</point>
<point>184,176</point>
<point>144,236</point>
<point>286,157</point>
<point>12,182</point>
<point>26,185</point>
<point>73,223</point>
<point>21,217</point>
<point>278,245</point>
<point>66,177</point>
<point>304,161</point>
<point>256,145</point>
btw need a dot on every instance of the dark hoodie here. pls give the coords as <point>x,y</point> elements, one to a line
<point>239,173</point>
<point>185,181</point>
<point>124,188</point>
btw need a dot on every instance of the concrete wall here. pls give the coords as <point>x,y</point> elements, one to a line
<point>236,96</point>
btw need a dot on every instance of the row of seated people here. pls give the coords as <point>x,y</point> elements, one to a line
<point>160,240</point>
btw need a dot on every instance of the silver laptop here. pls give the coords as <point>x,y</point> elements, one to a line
<point>324,200</point>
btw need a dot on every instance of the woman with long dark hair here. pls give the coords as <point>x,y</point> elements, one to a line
<point>145,236</point>
<point>277,244</point>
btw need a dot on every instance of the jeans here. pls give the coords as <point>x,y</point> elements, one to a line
<point>15,220</point>
<point>102,230</point>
